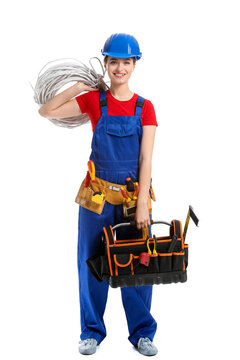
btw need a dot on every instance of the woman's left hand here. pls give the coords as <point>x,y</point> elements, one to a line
<point>142,216</point>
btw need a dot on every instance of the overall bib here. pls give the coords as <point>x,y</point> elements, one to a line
<point>115,151</point>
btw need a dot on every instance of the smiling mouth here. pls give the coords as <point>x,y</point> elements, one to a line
<point>119,75</point>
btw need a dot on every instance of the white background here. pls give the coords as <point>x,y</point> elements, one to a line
<point>190,72</point>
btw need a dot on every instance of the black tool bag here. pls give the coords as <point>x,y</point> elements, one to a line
<point>122,263</point>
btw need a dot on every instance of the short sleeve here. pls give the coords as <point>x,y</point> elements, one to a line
<point>89,104</point>
<point>148,114</point>
<point>83,101</point>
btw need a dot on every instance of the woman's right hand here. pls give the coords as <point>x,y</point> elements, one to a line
<point>84,87</point>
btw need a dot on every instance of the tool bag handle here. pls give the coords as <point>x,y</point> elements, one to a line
<point>175,230</point>
<point>108,231</point>
<point>132,223</point>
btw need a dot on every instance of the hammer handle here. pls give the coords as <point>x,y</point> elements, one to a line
<point>186,225</point>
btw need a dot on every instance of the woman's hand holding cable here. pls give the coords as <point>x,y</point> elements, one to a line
<point>83,87</point>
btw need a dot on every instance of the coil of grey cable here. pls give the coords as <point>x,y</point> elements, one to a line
<point>50,81</point>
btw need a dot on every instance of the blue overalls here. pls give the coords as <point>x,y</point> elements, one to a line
<point>115,151</point>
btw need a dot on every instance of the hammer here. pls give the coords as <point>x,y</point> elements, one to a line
<point>191,214</point>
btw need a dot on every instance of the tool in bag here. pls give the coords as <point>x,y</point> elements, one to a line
<point>143,261</point>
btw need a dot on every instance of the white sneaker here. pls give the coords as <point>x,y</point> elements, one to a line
<point>87,346</point>
<point>146,347</point>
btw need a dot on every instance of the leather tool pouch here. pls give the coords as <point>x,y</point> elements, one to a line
<point>129,208</point>
<point>84,198</point>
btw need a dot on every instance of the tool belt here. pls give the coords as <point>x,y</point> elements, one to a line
<point>110,192</point>
<point>144,261</point>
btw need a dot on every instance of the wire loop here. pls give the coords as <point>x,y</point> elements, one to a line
<point>51,80</point>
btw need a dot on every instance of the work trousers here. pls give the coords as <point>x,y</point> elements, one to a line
<point>93,294</point>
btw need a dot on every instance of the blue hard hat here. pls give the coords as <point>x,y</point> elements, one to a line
<point>122,46</point>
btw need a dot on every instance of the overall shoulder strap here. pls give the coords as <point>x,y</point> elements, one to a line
<point>139,105</point>
<point>103,102</point>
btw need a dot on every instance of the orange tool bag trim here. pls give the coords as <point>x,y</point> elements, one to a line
<point>121,262</point>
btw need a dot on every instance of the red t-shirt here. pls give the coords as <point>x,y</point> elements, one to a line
<point>89,104</point>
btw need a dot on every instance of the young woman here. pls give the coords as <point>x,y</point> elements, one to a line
<point>124,126</point>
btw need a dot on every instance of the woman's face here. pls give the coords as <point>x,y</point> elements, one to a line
<point>119,69</point>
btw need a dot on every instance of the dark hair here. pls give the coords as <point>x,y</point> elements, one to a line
<point>106,56</point>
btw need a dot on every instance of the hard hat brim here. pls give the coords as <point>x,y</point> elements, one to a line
<point>119,55</point>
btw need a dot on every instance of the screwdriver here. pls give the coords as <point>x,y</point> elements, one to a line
<point>135,196</point>
<point>91,169</point>
<point>125,195</point>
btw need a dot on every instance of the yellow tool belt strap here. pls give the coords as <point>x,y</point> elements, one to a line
<point>111,191</point>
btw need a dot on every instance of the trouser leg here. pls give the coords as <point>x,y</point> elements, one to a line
<point>137,303</point>
<point>92,294</point>
<point>136,300</point>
